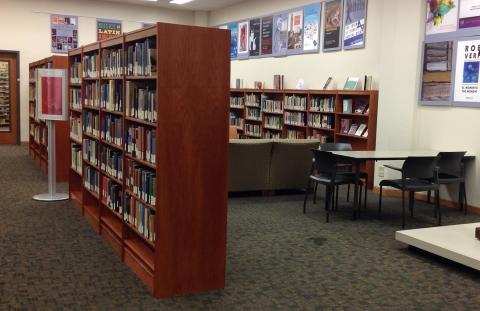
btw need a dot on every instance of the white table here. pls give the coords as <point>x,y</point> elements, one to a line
<point>457,243</point>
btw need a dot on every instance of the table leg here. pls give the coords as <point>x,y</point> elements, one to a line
<point>356,206</point>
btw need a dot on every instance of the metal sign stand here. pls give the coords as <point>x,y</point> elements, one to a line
<point>52,194</point>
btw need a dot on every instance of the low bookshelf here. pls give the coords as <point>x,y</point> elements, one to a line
<point>38,130</point>
<point>141,157</point>
<point>338,116</point>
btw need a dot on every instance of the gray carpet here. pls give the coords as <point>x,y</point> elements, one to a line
<point>278,258</point>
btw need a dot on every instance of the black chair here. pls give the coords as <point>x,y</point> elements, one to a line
<point>452,171</point>
<point>324,172</point>
<point>345,168</point>
<point>419,174</point>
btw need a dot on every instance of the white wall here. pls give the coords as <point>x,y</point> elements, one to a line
<point>25,27</point>
<point>392,55</point>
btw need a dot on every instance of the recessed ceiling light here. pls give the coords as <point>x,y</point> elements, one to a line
<point>151,0</point>
<point>180,1</point>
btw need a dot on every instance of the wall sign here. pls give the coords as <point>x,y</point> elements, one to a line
<point>108,28</point>
<point>51,94</point>
<point>64,33</point>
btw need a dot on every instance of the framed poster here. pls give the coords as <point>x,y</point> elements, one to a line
<point>295,31</point>
<point>311,27</point>
<point>254,37</point>
<point>467,88</point>
<point>51,94</point>
<point>437,76</point>
<point>233,40</point>
<point>280,34</point>
<point>108,28</point>
<point>355,24</point>
<point>442,16</point>
<point>5,112</point>
<point>267,36</point>
<point>64,33</point>
<point>333,25</point>
<point>469,16</point>
<point>243,38</point>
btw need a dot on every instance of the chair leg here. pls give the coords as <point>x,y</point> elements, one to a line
<point>306,195</point>
<point>348,193</point>
<point>460,197</point>
<point>315,194</point>
<point>411,202</point>
<point>335,207</point>
<point>365,198</point>
<point>403,209</point>
<point>429,196</point>
<point>380,203</point>
<point>327,202</point>
<point>465,198</point>
<point>360,197</point>
<point>437,206</point>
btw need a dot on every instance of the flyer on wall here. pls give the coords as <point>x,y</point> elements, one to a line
<point>64,33</point>
<point>295,30</point>
<point>233,40</point>
<point>51,94</point>
<point>333,24</point>
<point>267,29</point>
<point>469,14</point>
<point>108,28</point>
<point>254,37</point>
<point>437,71</point>
<point>311,27</point>
<point>243,38</point>
<point>442,16</point>
<point>467,72</point>
<point>354,32</point>
<point>280,34</point>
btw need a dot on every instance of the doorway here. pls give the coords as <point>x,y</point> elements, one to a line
<point>9,99</point>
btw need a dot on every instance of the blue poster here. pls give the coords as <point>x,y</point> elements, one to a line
<point>234,40</point>
<point>311,28</point>
<point>64,33</point>
<point>354,31</point>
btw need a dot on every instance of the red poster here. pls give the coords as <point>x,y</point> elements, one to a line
<point>52,96</point>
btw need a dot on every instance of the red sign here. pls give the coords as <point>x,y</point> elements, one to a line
<point>52,96</point>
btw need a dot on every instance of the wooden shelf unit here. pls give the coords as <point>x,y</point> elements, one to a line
<point>38,130</point>
<point>192,79</point>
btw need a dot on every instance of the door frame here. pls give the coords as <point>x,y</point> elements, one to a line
<point>17,54</point>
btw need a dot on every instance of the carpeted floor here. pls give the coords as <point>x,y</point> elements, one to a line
<point>278,258</point>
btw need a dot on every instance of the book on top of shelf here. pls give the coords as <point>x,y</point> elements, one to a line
<point>239,83</point>
<point>258,85</point>
<point>351,83</point>
<point>368,82</point>
<point>353,129</point>
<point>361,129</point>
<point>327,83</point>
<point>278,81</point>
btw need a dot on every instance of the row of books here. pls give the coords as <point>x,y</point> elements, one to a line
<point>360,107</point>
<point>76,128</point>
<point>76,98</point>
<point>294,134</point>
<point>295,102</point>
<point>236,102</point>
<point>76,160</point>
<point>272,106</point>
<point>112,195</point>
<point>350,128</point>
<point>236,121</point>
<point>278,82</point>
<point>91,179</point>
<point>111,129</point>
<point>253,114</point>
<point>253,130</point>
<point>295,118</point>
<point>141,58</point>
<point>76,71</point>
<point>140,216</point>
<point>142,182</point>
<point>322,104</point>
<point>91,149</point>
<point>91,123</point>
<point>141,143</point>
<point>112,63</point>
<point>90,66</point>
<point>112,162</point>
<point>112,96</point>
<point>141,102</point>
<point>274,122</point>
<point>267,134</point>
<point>92,94</point>
<point>252,100</point>
<point>321,121</point>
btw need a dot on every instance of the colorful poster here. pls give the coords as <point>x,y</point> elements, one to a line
<point>467,72</point>
<point>437,71</point>
<point>333,25</point>
<point>280,34</point>
<point>267,35</point>
<point>108,28</point>
<point>5,97</point>
<point>295,30</point>
<point>354,31</point>
<point>234,40</point>
<point>64,33</point>
<point>311,27</point>
<point>243,38</point>
<point>51,94</point>
<point>442,16</point>
<point>469,13</point>
<point>254,38</point>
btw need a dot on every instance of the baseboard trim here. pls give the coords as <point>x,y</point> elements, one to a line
<point>24,143</point>
<point>423,197</point>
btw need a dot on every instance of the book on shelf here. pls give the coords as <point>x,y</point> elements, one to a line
<point>353,129</point>
<point>112,162</point>
<point>236,102</point>
<point>327,83</point>
<point>76,71</point>
<point>345,125</point>
<point>112,195</point>
<point>76,98</point>
<point>90,66</point>
<point>91,179</point>
<point>259,85</point>
<point>142,58</point>
<point>361,106</point>
<point>351,84</point>
<point>278,81</point>
<point>294,118</point>
<point>76,160</point>
<point>295,102</point>
<point>321,121</point>
<point>236,121</point>
<point>91,123</point>
<point>361,129</point>
<point>322,104</point>
<point>367,83</point>
<point>76,128</point>
<point>90,151</point>
<point>141,101</point>
<point>271,134</point>
<point>111,95</point>
<point>142,182</point>
<point>271,106</point>
<point>112,63</point>
<point>252,100</point>
<point>111,129</point>
<point>140,142</point>
<point>253,130</point>
<point>365,134</point>
<point>347,105</point>
<point>140,216</point>
<point>294,134</point>
<point>239,83</point>
<point>273,122</point>
<point>253,114</point>
<point>92,94</point>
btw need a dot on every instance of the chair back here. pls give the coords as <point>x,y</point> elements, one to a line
<point>420,167</point>
<point>451,163</point>
<point>335,147</point>
<point>325,162</point>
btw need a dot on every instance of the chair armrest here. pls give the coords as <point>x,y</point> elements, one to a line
<point>393,168</point>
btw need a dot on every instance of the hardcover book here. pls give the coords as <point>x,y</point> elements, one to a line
<point>361,129</point>
<point>353,129</point>
<point>345,125</point>
<point>351,84</point>
<point>347,105</point>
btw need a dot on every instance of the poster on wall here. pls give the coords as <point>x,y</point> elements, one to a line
<point>333,25</point>
<point>280,34</point>
<point>469,14</point>
<point>267,35</point>
<point>108,28</point>
<point>64,33</point>
<point>442,16</point>
<point>51,94</point>
<point>5,96</point>
<point>243,38</point>
<point>233,40</point>
<point>354,27</point>
<point>254,37</point>
<point>437,71</point>
<point>467,72</point>
<point>295,31</point>
<point>311,27</point>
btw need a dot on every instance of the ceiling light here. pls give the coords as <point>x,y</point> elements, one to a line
<point>180,1</point>
<point>151,0</point>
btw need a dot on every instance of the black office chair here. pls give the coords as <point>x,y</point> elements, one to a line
<point>346,168</point>
<point>324,172</point>
<point>419,174</point>
<point>452,171</point>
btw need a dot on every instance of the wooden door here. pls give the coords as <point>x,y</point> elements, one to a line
<point>9,127</point>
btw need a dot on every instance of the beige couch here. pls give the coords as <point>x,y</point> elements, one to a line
<point>265,164</point>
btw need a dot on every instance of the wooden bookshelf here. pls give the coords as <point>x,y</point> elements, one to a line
<point>188,252</point>
<point>38,130</point>
<point>330,132</point>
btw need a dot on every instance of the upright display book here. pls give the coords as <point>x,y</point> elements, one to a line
<point>52,94</point>
<point>351,84</point>
<point>327,83</point>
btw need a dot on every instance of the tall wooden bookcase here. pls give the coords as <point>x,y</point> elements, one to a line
<point>287,124</point>
<point>188,253</point>
<point>38,130</point>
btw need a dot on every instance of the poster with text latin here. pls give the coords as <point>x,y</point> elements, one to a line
<point>108,28</point>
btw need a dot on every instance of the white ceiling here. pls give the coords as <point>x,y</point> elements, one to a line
<point>196,5</point>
